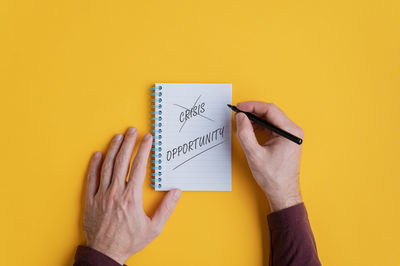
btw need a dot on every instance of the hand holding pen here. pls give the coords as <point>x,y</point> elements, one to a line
<point>268,125</point>
<point>274,164</point>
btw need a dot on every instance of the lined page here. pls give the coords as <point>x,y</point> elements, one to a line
<point>196,136</point>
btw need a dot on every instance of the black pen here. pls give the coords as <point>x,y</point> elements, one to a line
<point>271,127</point>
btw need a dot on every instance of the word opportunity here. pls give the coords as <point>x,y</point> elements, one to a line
<point>209,140</point>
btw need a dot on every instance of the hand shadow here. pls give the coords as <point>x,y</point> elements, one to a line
<point>239,159</point>
<point>69,260</point>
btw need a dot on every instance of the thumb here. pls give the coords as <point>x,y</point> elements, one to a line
<point>245,133</point>
<point>166,208</point>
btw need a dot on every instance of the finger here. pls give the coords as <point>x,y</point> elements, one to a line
<point>139,165</point>
<point>121,165</point>
<point>273,114</point>
<point>107,168</point>
<point>258,127</point>
<point>245,133</point>
<point>93,176</point>
<point>166,208</point>
<point>268,111</point>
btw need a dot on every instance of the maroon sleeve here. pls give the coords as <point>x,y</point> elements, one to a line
<point>292,241</point>
<point>86,256</point>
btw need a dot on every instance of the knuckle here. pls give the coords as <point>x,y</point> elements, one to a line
<point>299,131</point>
<point>98,196</point>
<point>124,203</point>
<point>113,193</point>
<point>119,161</point>
<point>89,202</point>
<point>107,167</point>
<point>126,200</point>
<point>168,208</point>
<point>136,164</point>
<point>107,204</point>
<point>241,133</point>
<point>255,155</point>
<point>133,194</point>
<point>156,230</point>
<point>137,195</point>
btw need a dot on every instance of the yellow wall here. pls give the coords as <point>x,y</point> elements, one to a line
<point>73,73</point>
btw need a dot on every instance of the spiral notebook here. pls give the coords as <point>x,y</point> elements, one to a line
<point>191,126</point>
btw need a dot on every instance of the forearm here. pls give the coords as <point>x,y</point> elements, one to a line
<point>292,240</point>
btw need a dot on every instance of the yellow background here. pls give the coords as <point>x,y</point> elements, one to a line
<point>73,73</point>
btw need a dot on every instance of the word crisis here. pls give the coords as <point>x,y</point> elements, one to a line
<point>194,111</point>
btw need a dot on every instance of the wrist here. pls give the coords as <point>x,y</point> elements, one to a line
<point>109,252</point>
<point>282,200</point>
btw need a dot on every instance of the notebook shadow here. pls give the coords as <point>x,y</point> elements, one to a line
<point>263,210</point>
<point>80,235</point>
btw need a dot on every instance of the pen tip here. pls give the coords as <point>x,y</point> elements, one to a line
<point>230,106</point>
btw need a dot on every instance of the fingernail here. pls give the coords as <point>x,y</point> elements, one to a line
<point>177,194</point>
<point>97,154</point>
<point>239,116</point>
<point>118,136</point>
<point>131,130</point>
<point>147,136</point>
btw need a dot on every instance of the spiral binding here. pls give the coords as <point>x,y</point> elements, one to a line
<point>156,118</point>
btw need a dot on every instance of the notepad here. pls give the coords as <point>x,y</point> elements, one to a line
<point>191,126</point>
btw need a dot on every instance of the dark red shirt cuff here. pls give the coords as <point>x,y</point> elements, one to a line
<point>86,256</point>
<point>288,217</point>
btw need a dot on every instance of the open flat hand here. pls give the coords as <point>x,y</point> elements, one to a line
<point>114,220</point>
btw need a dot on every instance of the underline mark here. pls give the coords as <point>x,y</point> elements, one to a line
<point>197,155</point>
